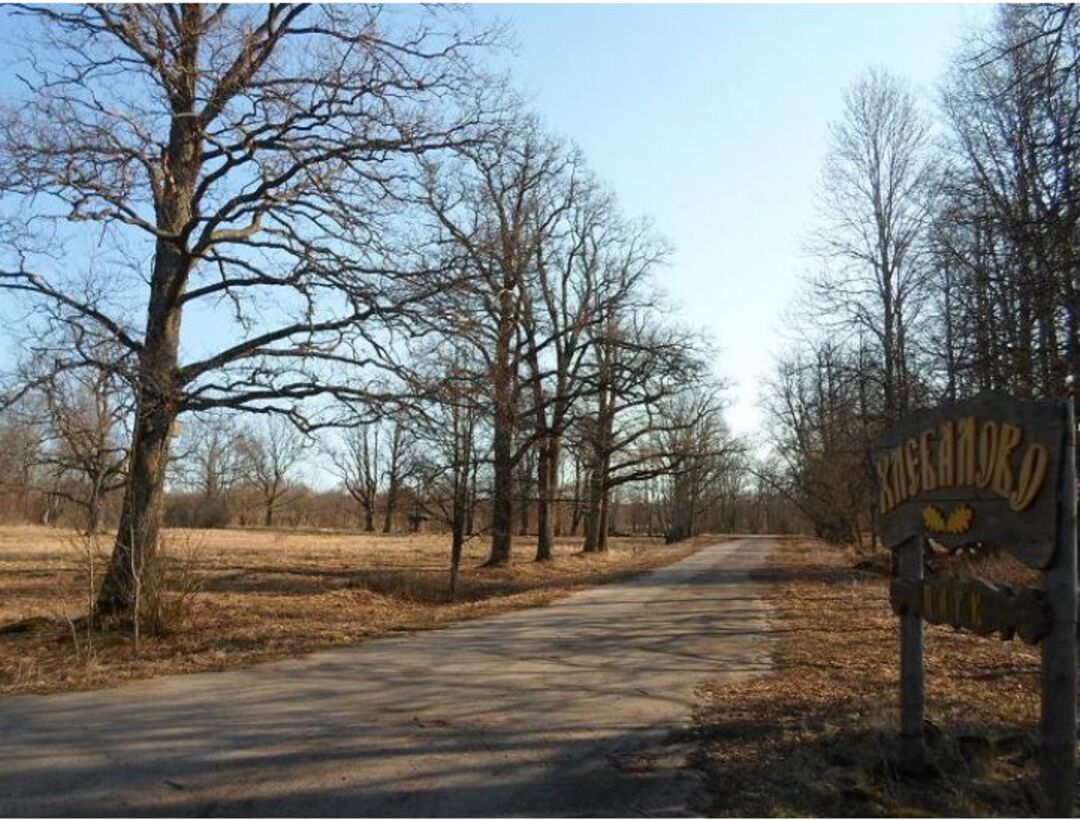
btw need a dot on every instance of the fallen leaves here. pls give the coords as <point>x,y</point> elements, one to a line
<point>817,736</point>
<point>268,595</point>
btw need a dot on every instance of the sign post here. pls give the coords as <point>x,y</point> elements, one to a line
<point>912,742</point>
<point>998,471</point>
<point>1057,747</point>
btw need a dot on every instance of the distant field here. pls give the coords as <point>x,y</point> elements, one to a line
<point>269,594</point>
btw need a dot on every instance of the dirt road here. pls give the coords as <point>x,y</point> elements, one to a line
<point>574,708</point>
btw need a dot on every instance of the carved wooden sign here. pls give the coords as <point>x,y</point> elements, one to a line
<point>983,471</point>
<point>975,605</point>
<point>1001,471</point>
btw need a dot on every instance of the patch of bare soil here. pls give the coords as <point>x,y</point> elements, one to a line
<point>818,735</point>
<point>243,596</point>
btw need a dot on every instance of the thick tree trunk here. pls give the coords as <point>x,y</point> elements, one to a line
<point>369,518</point>
<point>140,518</point>
<point>505,412</point>
<point>157,408</point>
<point>603,523</point>
<point>595,520</point>
<point>159,391</point>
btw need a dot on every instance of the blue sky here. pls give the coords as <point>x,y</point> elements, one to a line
<point>714,120</point>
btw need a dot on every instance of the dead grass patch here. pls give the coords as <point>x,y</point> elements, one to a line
<point>817,736</point>
<point>253,596</point>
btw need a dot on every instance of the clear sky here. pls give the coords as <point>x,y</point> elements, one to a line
<point>713,120</point>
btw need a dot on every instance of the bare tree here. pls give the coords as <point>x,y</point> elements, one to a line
<point>641,365</point>
<point>400,462</point>
<point>495,206</point>
<point>208,461</point>
<point>82,415</point>
<point>269,452</point>
<point>447,428</point>
<point>356,464</point>
<point>20,455</point>
<point>248,151</point>
<point>876,200</point>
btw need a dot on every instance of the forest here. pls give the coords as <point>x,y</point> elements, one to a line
<point>943,264</point>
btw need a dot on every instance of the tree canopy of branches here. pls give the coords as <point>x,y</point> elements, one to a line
<point>959,257</point>
<point>330,219</point>
<point>237,161</point>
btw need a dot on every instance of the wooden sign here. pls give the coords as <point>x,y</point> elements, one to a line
<point>976,605</point>
<point>999,471</point>
<point>985,471</point>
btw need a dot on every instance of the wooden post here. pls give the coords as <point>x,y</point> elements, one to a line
<point>912,741</point>
<point>1058,735</point>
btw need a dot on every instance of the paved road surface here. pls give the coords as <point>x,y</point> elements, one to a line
<point>574,708</point>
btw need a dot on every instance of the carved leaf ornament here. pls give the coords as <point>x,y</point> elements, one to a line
<point>985,471</point>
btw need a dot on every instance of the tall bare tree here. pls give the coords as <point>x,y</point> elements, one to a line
<point>356,464</point>
<point>400,461</point>
<point>247,152</point>
<point>495,206</point>
<point>876,199</point>
<point>269,452</point>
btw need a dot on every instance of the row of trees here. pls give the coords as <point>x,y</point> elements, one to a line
<point>334,220</point>
<point>947,258</point>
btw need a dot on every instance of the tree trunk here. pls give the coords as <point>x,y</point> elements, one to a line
<point>523,503</point>
<point>159,392</point>
<point>544,539</point>
<point>603,523</point>
<point>470,509</point>
<point>391,505</point>
<point>94,509</point>
<point>369,518</point>
<point>140,518</point>
<point>502,499</point>
<point>594,517</point>
<point>457,543</point>
<point>575,512</point>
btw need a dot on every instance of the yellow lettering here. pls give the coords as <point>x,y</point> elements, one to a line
<point>928,474</point>
<point>911,463</point>
<point>1008,438</point>
<point>965,453</point>
<point>1033,471</point>
<point>988,441</point>
<point>946,451</point>
<point>882,466</point>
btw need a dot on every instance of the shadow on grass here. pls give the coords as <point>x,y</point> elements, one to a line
<point>820,768</point>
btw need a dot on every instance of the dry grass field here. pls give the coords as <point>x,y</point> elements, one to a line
<point>252,596</point>
<point>817,737</point>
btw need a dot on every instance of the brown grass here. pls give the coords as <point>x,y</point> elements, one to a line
<point>817,737</point>
<point>270,594</point>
